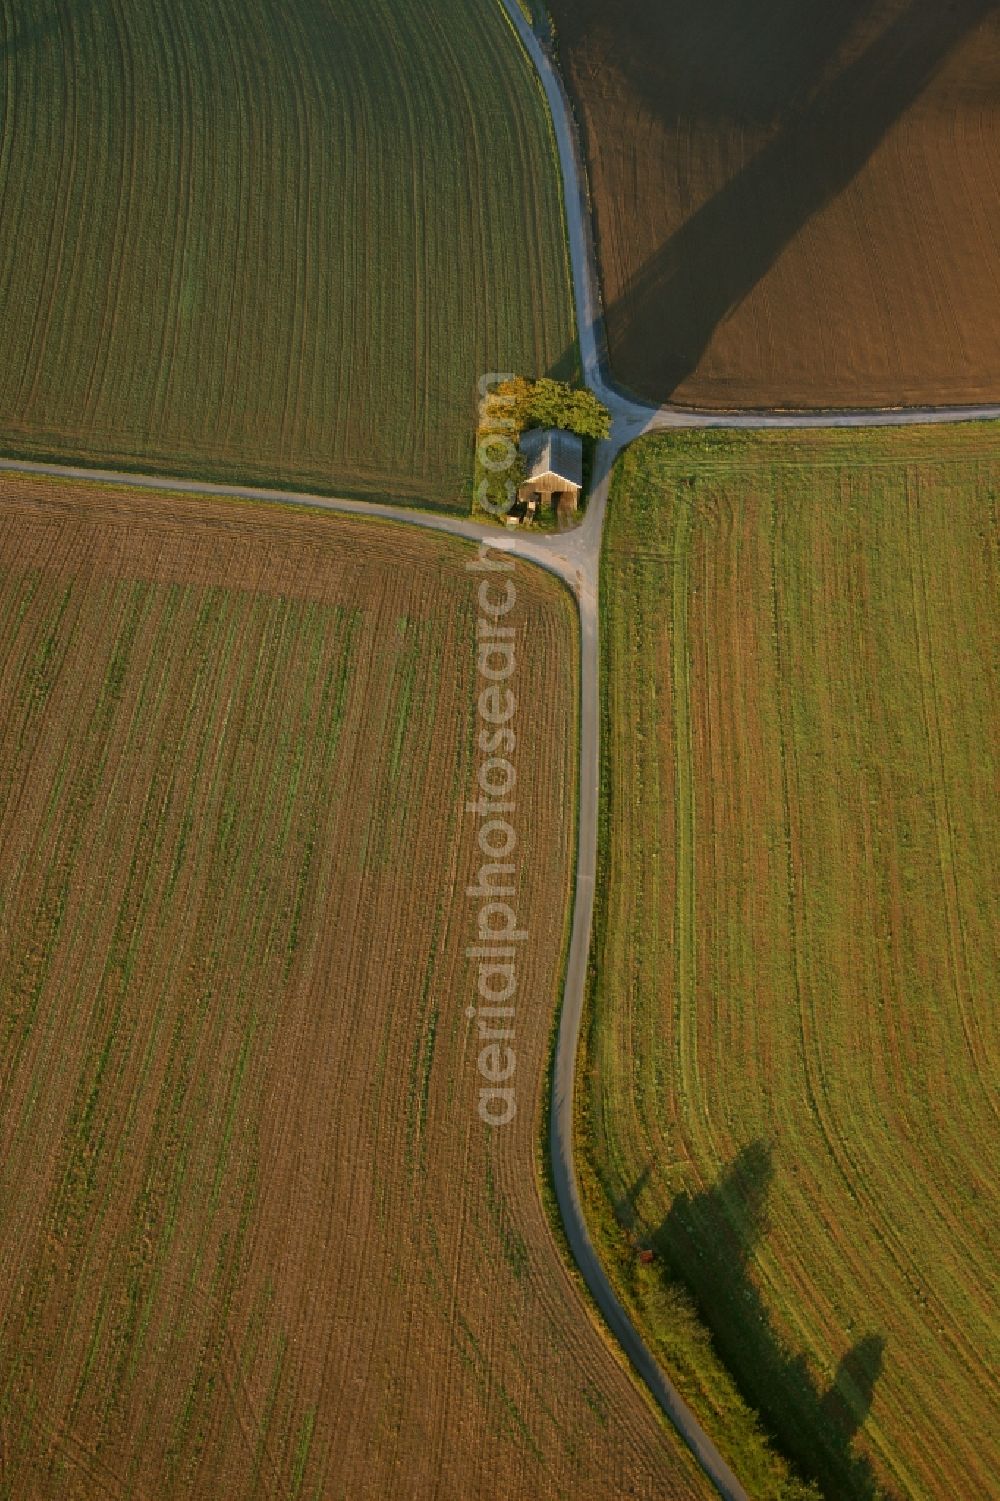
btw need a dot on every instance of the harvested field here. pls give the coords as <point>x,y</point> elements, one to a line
<point>272,243</point>
<point>254,1239</point>
<point>793,1053</point>
<point>795,202</point>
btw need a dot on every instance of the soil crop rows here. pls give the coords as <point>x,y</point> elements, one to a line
<point>255,1240</point>
<point>275,243</point>
<point>795,201</point>
<point>790,1083</point>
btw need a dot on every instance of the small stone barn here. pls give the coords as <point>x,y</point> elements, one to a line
<point>553,462</point>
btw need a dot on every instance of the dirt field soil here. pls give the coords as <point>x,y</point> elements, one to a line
<point>255,1240</point>
<point>795,201</point>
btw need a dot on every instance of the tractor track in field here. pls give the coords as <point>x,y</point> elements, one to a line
<point>574,557</point>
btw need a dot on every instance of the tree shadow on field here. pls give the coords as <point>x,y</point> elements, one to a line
<point>707,1242</point>
<point>625,1207</point>
<point>785,67</point>
<point>566,366</point>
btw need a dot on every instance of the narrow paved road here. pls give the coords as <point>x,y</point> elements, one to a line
<point>575,557</point>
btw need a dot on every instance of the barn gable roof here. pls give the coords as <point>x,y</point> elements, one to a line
<point>550,450</point>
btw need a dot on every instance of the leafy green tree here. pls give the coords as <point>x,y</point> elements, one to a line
<point>554,403</point>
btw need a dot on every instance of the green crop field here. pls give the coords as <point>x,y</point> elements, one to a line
<point>793,1038</point>
<point>272,242</point>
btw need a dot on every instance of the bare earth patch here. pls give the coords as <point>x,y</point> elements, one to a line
<point>795,202</point>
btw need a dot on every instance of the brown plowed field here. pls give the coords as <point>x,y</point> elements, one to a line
<point>796,202</point>
<point>254,1238</point>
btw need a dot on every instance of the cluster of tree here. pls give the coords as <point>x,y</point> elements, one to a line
<point>553,403</point>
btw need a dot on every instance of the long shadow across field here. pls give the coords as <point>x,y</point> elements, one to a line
<point>828,118</point>
<point>707,1242</point>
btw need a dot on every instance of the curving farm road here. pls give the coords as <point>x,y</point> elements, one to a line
<point>581,551</point>
<point>575,557</point>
